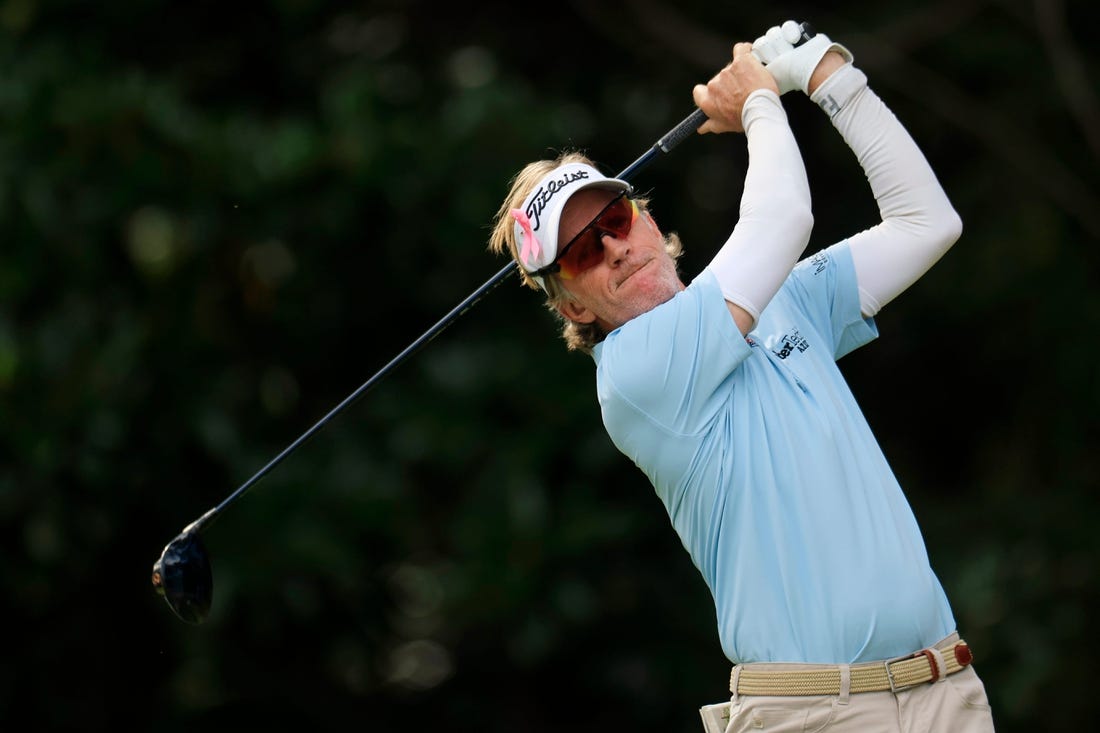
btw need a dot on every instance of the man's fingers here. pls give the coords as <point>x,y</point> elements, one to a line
<point>699,94</point>
<point>740,49</point>
<point>702,100</point>
<point>792,32</point>
<point>774,43</point>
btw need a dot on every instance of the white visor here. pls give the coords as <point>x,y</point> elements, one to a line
<point>536,223</point>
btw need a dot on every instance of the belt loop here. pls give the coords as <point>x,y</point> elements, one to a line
<point>939,673</point>
<point>845,683</point>
<point>735,678</point>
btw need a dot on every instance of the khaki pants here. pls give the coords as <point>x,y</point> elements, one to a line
<point>956,703</point>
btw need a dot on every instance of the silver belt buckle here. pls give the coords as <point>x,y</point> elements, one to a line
<point>890,674</point>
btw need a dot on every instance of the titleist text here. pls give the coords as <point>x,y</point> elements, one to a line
<point>547,191</point>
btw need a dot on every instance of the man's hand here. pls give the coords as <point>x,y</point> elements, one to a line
<point>793,66</point>
<point>723,97</point>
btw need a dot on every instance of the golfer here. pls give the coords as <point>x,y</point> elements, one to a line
<point>726,394</point>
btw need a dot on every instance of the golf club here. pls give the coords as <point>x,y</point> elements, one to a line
<point>183,574</point>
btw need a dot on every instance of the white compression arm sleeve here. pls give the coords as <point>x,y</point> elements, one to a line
<point>918,222</point>
<point>775,219</point>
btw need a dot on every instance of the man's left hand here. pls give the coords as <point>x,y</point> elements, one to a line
<point>791,65</point>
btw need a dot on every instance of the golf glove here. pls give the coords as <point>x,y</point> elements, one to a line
<point>791,65</point>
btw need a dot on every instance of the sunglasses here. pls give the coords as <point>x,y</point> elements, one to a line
<point>585,250</point>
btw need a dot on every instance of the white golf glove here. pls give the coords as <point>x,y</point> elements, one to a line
<point>792,66</point>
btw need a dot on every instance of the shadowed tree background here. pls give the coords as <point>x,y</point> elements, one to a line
<point>217,220</point>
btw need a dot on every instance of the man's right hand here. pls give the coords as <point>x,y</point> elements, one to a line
<point>723,97</point>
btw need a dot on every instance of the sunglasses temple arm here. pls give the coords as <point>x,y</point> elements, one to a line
<point>670,140</point>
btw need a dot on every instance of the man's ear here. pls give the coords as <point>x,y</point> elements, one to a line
<point>574,311</point>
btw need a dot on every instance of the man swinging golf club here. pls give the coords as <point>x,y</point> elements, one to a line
<point>726,394</point>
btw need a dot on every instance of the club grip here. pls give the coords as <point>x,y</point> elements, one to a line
<point>682,131</point>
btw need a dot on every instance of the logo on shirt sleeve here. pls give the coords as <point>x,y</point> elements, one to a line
<point>819,261</point>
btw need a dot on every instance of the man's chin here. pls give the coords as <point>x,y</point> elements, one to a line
<point>641,270</point>
<point>648,293</point>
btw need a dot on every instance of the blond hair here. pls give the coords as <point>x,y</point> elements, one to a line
<point>577,336</point>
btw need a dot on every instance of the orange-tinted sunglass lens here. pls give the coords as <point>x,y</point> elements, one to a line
<point>586,249</point>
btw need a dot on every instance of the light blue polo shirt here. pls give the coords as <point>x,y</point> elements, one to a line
<point>770,473</point>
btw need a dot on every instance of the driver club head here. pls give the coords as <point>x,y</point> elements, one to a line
<point>183,576</point>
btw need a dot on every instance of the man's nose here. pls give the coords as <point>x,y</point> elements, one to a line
<point>614,249</point>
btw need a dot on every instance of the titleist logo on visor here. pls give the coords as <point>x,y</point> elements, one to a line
<point>546,192</point>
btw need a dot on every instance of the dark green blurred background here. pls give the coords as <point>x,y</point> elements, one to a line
<point>217,220</point>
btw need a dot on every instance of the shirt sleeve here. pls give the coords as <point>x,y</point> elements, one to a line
<point>668,365</point>
<point>824,288</point>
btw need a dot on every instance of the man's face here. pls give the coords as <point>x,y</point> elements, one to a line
<point>634,276</point>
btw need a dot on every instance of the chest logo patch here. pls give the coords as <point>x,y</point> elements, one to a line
<point>789,343</point>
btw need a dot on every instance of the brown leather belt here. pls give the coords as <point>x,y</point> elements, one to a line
<point>892,674</point>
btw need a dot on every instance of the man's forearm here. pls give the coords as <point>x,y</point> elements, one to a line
<point>775,218</point>
<point>918,222</point>
<point>830,62</point>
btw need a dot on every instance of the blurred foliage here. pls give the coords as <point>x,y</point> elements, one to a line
<point>217,220</point>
